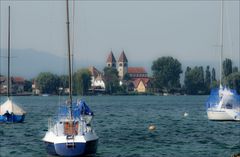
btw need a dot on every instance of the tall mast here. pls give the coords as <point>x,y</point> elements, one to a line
<point>69,59</point>
<point>221,42</point>
<point>8,78</point>
<point>239,38</point>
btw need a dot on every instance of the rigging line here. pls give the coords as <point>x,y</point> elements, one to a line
<point>0,42</point>
<point>0,46</point>
<point>73,36</point>
<point>230,42</point>
<point>141,0</point>
<point>9,84</point>
<point>221,40</point>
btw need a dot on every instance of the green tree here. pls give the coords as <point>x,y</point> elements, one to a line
<point>166,73</point>
<point>235,69</point>
<point>208,78</point>
<point>233,81</point>
<point>213,75</point>
<point>227,67</point>
<point>194,80</point>
<point>63,81</point>
<point>82,81</point>
<point>28,86</point>
<point>111,80</point>
<point>47,83</point>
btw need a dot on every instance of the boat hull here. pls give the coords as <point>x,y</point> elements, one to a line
<point>72,149</point>
<point>12,118</point>
<point>219,115</point>
<point>50,148</point>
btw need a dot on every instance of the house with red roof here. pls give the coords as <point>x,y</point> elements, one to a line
<point>97,80</point>
<point>137,72</point>
<point>17,84</point>
<point>138,76</point>
<point>141,85</point>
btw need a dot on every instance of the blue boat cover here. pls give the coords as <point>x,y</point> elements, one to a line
<point>217,94</point>
<point>78,109</point>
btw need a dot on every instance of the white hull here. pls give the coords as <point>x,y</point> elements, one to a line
<point>223,115</point>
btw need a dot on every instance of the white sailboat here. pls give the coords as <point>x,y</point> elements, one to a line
<point>10,111</point>
<point>71,134</point>
<point>223,102</point>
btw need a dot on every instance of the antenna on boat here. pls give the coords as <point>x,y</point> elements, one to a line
<point>8,78</point>
<point>69,59</point>
<point>221,42</point>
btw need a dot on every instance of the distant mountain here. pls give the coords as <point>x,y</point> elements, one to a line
<point>28,63</point>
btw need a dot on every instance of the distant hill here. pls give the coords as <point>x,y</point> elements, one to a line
<point>28,63</point>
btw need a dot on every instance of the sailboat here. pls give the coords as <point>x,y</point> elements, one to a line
<point>71,132</point>
<point>9,111</point>
<point>223,102</point>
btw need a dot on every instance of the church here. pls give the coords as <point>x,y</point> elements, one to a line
<point>138,75</point>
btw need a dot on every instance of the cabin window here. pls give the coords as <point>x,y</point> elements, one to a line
<point>71,128</point>
<point>120,64</point>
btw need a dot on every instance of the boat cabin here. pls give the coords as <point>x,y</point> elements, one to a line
<point>71,127</point>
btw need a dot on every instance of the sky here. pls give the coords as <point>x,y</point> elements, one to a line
<point>145,30</point>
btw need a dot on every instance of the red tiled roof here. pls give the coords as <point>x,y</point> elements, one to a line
<point>138,80</point>
<point>111,58</point>
<point>122,57</point>
<point>18,79</point>
<point>136,70</point>
<point>94,72</point>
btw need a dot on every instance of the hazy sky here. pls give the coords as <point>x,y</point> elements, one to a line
<point>145,30</point>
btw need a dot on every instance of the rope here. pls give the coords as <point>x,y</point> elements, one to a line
<point>239,38</point>
<point>0,51</point>
<point>230,42</point>
<point>73,36</point>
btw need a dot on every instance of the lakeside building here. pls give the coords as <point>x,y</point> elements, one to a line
<point>35,90</point>
<point>97,79</point>
<point>138,77</point>
<point>17,85</point>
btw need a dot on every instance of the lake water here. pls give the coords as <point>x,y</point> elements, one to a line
<point>122,123</point>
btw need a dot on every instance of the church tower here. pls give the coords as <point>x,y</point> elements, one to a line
<point>111,61</point>
<point>122,65</point>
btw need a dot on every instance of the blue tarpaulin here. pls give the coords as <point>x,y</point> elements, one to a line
<point>227,95</point>
<point>78,109</point>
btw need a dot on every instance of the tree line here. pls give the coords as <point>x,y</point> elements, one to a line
<point>166,73</point>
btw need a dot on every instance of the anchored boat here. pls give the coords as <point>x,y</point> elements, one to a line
<point>223,103</point>
<point>10,111</point>
<point>71,133</point>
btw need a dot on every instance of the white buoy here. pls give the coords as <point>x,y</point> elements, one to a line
<point>152,127</point>
<point>185,114</point>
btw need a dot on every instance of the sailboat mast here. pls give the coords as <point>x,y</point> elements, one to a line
<point>8,78</point>
<point>221,42</point>
<point>69,58</point>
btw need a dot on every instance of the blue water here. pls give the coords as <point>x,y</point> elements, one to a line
<point>122,124</point>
